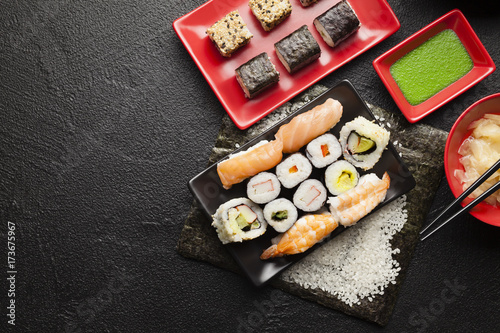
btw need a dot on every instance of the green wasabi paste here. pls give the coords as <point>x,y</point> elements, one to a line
<point>431,67</point>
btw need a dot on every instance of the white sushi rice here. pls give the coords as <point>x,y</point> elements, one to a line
<point>257,145</point>
<point>358,263</point>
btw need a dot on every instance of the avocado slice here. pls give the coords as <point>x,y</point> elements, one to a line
<point>359,144</point>
<point>245,217</point>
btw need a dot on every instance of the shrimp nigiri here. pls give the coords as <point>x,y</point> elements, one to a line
<point>309,125</point>
<point>263,156</point>
<point>307,231</point>
<point>350,206</point>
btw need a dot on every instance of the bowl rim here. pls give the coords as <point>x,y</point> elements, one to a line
<point>456,192</point>
<point>483,64</point>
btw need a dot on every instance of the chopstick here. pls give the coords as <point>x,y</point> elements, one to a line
<point>462,196</point>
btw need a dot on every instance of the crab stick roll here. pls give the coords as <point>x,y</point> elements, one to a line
<point>324,150</point>
<point>310,195</point>
<point>309,125</point>
<point>293,170</point>
<point>238,220</point>
<point>341,176</point>
<point>363,142</point>
<point>263,187</point>
<point>281,214</point>
<point>260,157</point>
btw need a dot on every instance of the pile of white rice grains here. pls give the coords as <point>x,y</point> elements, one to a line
<point>358,263</point>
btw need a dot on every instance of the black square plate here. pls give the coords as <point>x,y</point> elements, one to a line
<point>208,190</point>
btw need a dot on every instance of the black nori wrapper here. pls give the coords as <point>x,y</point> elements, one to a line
<point>338,22</point>
<point>298,49</point>
<point>256,75</point>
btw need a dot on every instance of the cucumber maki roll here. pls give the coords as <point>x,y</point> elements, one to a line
<point>238,220</point>
<point>256,75</point>
<point>337,23</point>
<point>281,214</point>
<point>297,49</point>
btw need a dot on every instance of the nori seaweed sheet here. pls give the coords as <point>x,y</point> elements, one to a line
<point>298,49</point>
<point>339,22</point>
<point>198,239</point>
<point>257,74</point>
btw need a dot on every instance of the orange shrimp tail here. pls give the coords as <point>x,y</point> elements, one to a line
<point>271,252</point>
<point>386,179</point>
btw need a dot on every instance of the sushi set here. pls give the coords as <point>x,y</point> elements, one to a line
<point>223,36</point>
<point>327,166</point>
<point>293,184</point>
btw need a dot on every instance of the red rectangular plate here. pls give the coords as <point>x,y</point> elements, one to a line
<point>377,23</point>
<point>483,64</point>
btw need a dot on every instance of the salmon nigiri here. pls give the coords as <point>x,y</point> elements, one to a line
<point>263,156</point>
<point>350,206</point>
<point>307,231</point>
<point>309,125</point>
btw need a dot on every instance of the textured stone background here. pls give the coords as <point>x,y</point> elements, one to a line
<point>104,118</point>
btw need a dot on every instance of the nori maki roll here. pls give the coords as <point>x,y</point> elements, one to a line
<point>307,3</point>
<point>337,23</point>
<point>297,49</point>
<point>256,75</point>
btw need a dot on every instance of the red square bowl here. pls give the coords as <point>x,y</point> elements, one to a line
<point>482,64</point>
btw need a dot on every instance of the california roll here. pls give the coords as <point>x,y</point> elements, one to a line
<point>237,220</point>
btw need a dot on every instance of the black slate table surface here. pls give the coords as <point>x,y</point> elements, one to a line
<point>104,118</point>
